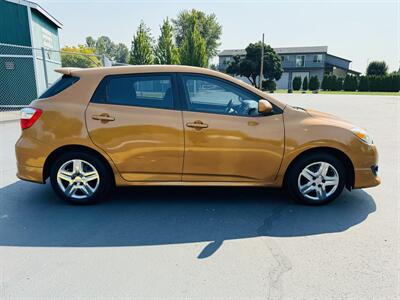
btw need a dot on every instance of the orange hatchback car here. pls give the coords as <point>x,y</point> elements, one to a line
<point>179,125</point>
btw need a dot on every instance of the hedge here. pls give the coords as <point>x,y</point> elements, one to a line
<point>296,83</point>
<point>314,83</point>
<point>305,84</point>
<point>269,85</point>
<point>387,83</point>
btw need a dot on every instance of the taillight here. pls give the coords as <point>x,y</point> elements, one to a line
<point>29,115</point>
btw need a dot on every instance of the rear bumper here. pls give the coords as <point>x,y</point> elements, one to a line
<point>28,173</point>
<point>31,155</point>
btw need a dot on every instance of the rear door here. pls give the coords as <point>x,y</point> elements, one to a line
<point>133,118</point>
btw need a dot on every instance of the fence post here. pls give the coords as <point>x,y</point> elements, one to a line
<point>46,78</point>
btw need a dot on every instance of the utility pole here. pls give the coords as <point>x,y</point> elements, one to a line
<point>261,77</point>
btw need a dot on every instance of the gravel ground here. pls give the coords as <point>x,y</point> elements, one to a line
<point>208,242</point>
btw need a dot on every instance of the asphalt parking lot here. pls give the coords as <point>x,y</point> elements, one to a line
<point>209,242</point>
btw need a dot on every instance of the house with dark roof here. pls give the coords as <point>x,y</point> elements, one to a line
<point>299,62</point>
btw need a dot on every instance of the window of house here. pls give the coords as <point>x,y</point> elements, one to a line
<point>300,61</point>
<point>317,58</point>
<point>210,95</point>
<point>148,91</point>
<point>285,58</point>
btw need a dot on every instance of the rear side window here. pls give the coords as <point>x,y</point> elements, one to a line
<point>135,90</point>
<point>57,87</point>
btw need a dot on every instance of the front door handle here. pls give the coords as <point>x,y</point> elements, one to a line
<point>103,117</point>
<point>197,124</point>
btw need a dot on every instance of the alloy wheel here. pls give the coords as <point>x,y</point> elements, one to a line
<point>78,179</point>
<point>318,180</point>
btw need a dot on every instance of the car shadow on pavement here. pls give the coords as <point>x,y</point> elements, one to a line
<point>31,215</point>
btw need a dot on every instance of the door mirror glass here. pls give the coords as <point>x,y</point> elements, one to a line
<point>264,107</point>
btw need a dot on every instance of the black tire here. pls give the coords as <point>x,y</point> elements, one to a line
<point>105,180</point>
<point>292,177</point>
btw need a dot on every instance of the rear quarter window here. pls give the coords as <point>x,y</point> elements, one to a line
<point>57,87</point>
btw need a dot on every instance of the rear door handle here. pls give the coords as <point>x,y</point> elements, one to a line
<point>197,125</point>
<point>103,117</point>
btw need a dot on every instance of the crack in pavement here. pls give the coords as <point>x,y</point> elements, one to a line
<point>275,290</point>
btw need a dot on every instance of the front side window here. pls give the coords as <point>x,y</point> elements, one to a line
<point>148,91</point>
<point>210,95</point>
<point>300,60</point>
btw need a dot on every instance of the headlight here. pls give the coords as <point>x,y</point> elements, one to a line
<point>362,135</point>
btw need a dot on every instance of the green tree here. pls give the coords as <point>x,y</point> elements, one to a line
<point>332,83</point>
<point>165,51</point>
<point>193,50</point>
<point>142,50</point>
<point>339,84</point>
<point>121,53</point>
<point>377,68</point>
<point>350,83</point>
<point>104,46</point>
<point>296,83</point>
<point>207,25</point>
<point>325,83</point>
<point>269,85</point>
<point>305,83</point>
<point>84,57</point>
<point>250,65</point>
<point>214,67</point>
<point>91,42</point>
<point>314,83</point>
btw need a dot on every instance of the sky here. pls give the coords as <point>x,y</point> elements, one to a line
<point>361,31</point>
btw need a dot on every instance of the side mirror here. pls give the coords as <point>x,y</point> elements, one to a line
<point>264,107</point>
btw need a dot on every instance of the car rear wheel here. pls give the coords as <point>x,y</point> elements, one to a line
<point>316,179</point>
<point>80,178</point>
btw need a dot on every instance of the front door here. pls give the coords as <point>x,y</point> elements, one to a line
<point>133,119</point>
<point>226,139</point>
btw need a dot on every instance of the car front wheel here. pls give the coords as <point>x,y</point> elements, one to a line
<point>316,179</point>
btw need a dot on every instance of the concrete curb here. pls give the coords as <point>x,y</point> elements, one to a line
<point>9,116</point>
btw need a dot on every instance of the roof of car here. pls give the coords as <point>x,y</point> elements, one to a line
<point>137,69</point>
<point>134,69</point>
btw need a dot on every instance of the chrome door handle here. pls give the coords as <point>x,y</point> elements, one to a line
<point>197,125</point>
<point>103,117</point>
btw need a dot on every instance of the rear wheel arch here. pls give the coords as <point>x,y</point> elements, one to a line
<point>343,157</point>
<point>68,148</point>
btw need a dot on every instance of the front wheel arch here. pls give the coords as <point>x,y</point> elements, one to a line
<point>349,167</point>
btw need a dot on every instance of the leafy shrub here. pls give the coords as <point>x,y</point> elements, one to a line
<point>332,85</point>
<point>350,83</point>
<point>314,83</point>
<point>296,83</point>
<point>363,84</point>
<point>305,83</point>
<point>325,83</point>
<point>269,85</point>
<point>392,83</point>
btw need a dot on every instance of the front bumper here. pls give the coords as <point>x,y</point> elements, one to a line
<point>366,177</point>
<point>366,167</point>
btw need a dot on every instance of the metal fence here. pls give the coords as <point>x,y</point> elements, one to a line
<point>26,72</point>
